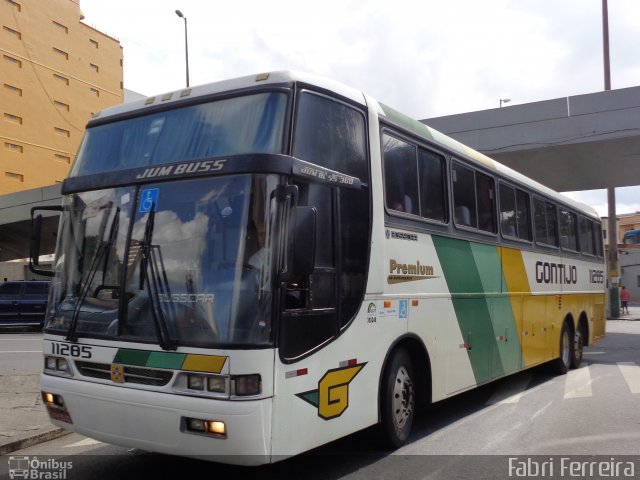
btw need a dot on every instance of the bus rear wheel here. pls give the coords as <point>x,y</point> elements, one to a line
<point>578,346</point>
<point>397,400</point>
<point>563,362</point>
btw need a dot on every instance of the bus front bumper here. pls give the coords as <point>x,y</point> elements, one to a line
<point>156,422</point>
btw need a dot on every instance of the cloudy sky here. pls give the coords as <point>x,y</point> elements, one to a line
<point>426,58</point>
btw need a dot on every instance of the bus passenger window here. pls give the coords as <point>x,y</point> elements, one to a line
<point>586,236</point>
<point>568,236</point>
<point>545,222</point>
<point>486,203</point>
<point>515,216</point>
<point>400,175</point>
<point>432,185</point>
<point>464,196</point>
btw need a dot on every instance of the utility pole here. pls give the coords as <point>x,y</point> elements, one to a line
<point>612,228</point>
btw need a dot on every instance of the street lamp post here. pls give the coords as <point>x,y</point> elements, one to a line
<point>186,44</point>
<point>504,100</point>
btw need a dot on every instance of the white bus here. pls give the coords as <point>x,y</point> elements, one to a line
<point>250,269</point>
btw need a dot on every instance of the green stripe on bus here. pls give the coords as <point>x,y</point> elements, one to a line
<point>127,356</point>
<point>473,272</point>
<point>166,360</point>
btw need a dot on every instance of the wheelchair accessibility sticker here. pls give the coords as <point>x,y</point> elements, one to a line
<point>404,308</point>
<point>148,198</point>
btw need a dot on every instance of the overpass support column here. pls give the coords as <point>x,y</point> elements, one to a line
<point>614,276</point>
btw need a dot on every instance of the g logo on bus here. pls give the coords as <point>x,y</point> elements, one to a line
<point>332,396</point>
<point>117,373</point>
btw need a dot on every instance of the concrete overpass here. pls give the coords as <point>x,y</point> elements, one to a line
<point>15,221</point>
<point>582,142</point>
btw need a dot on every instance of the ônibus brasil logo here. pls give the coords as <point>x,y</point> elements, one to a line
<point>37,469</point>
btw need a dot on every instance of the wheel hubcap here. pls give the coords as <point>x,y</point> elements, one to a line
<point>402,397</point>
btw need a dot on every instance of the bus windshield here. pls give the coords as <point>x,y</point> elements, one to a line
<point>177,263</point>
<point>245,124</point>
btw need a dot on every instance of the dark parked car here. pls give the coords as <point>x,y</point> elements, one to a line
<point>23,304</point>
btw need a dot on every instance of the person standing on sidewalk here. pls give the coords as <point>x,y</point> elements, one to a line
<point>624,299</point>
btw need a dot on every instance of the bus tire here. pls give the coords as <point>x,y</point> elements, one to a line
<point>563,362</point>
<point>578,346</point>
<point>397,400</point>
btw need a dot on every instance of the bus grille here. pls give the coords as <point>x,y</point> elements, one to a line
<point>143,376</point>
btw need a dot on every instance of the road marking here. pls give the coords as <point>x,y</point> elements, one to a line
<point>631,373</point>
<point>24,351</point>
<point>87,442</point>
<point>578,383</point>
<point>510,391</point>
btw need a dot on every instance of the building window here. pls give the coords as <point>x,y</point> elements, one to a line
<point>14,147</point>
<point>62,53</point>
<point>13,32</point>
<point>95,91</point>
<point>61,105</point>
<point>12,89</point>
<point>93,42</point>
<point>15,176</point>
<point>63,158</point>
<point>61,78</point>
<point>62,131</point>
<point>62,27</point>
<point>15,5</point>
<point>13,118</point>
<point>94,67</point>
<point>15,61</point>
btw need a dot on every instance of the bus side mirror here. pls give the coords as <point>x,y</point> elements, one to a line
<point>303,243</point>
<point>35,240</point>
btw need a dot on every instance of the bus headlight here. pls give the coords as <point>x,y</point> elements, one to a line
<point>195,382</point>
<point>217,384</point>
<point>57,366</point>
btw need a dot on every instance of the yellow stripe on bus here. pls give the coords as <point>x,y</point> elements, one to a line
<point>204,363</point>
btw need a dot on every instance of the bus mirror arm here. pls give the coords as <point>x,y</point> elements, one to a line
<point>303,243</point>
<point>35,240</point>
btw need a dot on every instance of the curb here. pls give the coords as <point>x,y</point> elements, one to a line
<point>31,440</point>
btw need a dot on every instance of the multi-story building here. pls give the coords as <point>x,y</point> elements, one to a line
<point>55,73</point>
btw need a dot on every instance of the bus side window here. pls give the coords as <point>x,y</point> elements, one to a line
<point>431,169</point>
<point>400,175</point>
<point>568,235</point>
<point>464,196</point>
<point>545,219</point>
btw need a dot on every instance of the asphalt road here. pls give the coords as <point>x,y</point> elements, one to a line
<point>594,410</point>
<point>20,351</point>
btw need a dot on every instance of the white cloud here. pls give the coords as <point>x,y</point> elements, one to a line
<point>426,58</point>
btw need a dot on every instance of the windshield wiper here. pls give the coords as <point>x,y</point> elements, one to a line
<point>101,251</point>
<point>150,268</point>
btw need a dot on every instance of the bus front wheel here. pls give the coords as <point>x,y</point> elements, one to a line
<point>397,400</point>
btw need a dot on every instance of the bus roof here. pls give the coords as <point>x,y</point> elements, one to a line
<point>390,114</point>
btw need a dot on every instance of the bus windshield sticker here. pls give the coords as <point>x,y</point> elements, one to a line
<point>148,198</point>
